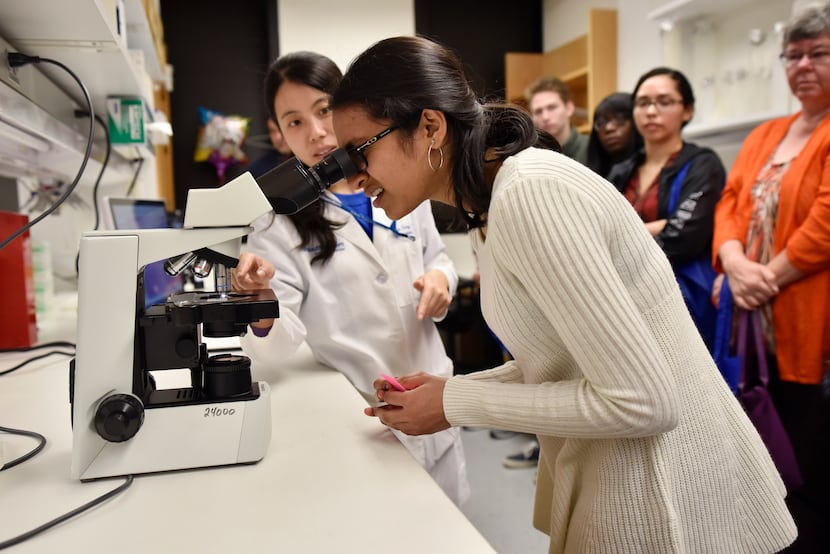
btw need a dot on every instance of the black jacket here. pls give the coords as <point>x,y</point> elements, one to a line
<point>688,232</point>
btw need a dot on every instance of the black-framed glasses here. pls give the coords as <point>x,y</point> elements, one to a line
<point>817,57</point>
<point>617,119</point>
<point>356,153</point>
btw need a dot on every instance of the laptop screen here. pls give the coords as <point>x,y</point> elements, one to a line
<point>130,213</point>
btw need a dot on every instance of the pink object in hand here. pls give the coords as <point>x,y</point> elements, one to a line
<point>392,381</point>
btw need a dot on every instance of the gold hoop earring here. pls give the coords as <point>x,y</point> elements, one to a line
<point>429,156</point>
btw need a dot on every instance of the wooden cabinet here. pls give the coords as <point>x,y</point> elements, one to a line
<point>588,65</point>
<point>520,69</point>
<point>164,152</point>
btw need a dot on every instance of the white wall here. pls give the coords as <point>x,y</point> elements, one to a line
<point>638,39</point>
<point>638,42</point>
<point>341,30</point>
<point>735,82</point>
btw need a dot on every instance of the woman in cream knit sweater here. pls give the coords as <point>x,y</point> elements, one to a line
<point>643,447</point>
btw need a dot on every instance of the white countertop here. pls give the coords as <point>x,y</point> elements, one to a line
<point>333,480</point>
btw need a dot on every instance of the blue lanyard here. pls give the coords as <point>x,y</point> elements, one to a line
<point>677,183</point>
<point>392,228</point>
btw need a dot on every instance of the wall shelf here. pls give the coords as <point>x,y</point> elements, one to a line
<point>97,40</point>
<point>741,124</point>
<point>588,65</point>
<point>727,49</point>
<point>679,10</point>
<point>579,77</point>
<point>81,34</point>
<point>40,136</point>
<point>140,37</point>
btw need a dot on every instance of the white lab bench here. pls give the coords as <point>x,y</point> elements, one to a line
<point>333,480</point>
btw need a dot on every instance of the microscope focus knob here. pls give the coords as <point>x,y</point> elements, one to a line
<point>119,417</point>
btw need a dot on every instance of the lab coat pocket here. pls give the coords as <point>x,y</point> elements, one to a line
<point>438,444</point>
<point>428,449</point>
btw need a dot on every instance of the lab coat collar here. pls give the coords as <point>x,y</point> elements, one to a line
<point>352,232</point>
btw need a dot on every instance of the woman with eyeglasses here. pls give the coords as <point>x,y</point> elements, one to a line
<point>361,289</point>
<point>772,241</point>
<point>613,136</point>
<point>643,446</point>
<point>674,185</point>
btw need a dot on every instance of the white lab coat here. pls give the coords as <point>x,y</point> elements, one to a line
<point>357,313</point>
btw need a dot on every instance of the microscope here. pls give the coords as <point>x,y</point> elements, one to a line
<point>122,423</point>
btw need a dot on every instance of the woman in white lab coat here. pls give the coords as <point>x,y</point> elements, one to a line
<point>361,290</point>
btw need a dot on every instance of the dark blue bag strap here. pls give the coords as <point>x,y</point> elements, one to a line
<point>723,329</point>
<point>728,362</point>
<point>676,184</point>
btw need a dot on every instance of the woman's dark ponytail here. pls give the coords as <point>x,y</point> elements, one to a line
<point>397,78</point>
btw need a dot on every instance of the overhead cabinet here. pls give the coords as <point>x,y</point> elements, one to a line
<point>588,65</point>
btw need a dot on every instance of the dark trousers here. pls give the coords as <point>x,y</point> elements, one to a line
<point>805,413</point>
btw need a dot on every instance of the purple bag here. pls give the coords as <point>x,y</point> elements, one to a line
<point>757,401</point>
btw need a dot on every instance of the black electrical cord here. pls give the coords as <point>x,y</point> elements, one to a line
<point>95,205</point>
<point>69,515</point>
<point>96,186</point>
<point>16,59</point>
<point>34,359</point>
<point>139,163</point>
<point>31,454</point>
<point>53,344</point>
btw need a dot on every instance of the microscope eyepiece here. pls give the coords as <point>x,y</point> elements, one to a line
<point>291,186</point>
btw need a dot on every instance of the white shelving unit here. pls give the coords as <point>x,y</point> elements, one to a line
<point>84,36</point>
<point>729,125</point>
<point>140,37</point>
<point>81,34</point>
<point>679,10</point>
<point>728,49</point>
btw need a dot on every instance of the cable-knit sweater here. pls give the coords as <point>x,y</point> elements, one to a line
<point>643,447</point>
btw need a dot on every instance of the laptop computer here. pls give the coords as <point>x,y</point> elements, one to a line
<point>134,213</point>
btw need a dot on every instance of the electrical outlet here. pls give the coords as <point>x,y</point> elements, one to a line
<point>7,72</point>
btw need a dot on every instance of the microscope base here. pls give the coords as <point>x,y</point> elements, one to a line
<point>185,437</point>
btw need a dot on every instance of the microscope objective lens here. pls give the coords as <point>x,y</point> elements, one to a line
<point>223,281</point>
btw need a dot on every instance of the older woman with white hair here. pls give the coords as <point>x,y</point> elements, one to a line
<point>772,240</point>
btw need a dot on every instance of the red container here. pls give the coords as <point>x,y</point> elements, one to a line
<point>18,323</point>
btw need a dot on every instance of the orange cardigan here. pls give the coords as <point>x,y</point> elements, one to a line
<point>801,310</point>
